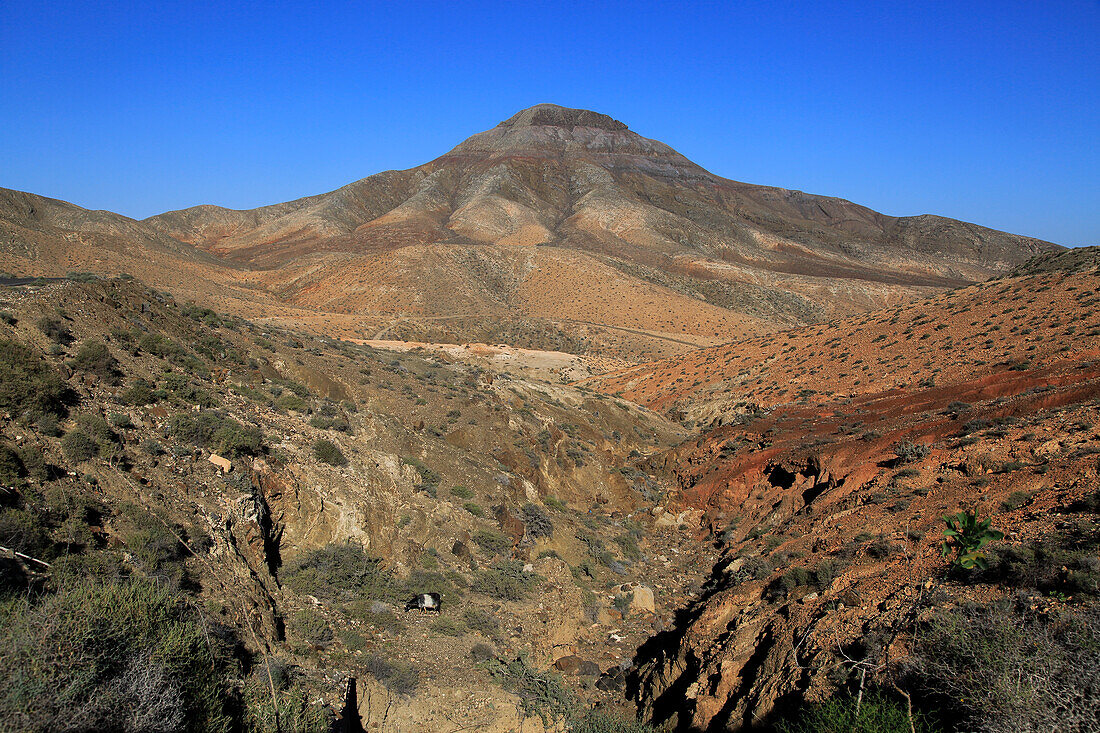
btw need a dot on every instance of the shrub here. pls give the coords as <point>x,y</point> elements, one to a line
<point>120,420</point>
<point>598,721</point>
<point>492,541</point>
<point>162,346</point>
<point>474,509</point>
<point>505,580</point>
<point>537,521</point>
<point>311,627</point>
<point>138,394</point>
<point>217,432</point>
<point>397,677</point>
<point>24,531</point>
<point>462,492</point>
<point>478,620</point>
<point>11,467</point>
<point>296,711</point>
<point>1056,564</point>
<point>1005,668</point>
<point>152,447</point>
<point>555,503</point>
<point>629,546</point>
<point>482,652</point>
<point>55,330</point>
<point>78,446</point>
<point>908,452</point>
<point>447,626</point>
<point>110,656</point>
<point>540,693</point>
<point>328,452</point>
<point>343,572</point>
<point>877,714</point>
<point>1016,500</point>
<point>95,358</point>
<point>290,402</point>
<point>29,385</point>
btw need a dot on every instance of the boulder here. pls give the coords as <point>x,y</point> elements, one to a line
<point>568,664</point>
<point>643,601</point>
<point>222,463</point>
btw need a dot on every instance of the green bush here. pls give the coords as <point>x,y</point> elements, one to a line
<point>180,387</point>
<point>78,446</point>
<point>447,626</point>
<point>505,580</point>
<point>343,572</point>
<point>290,402</point>
<point>162,346</point>
<point>462,492</point>
<point>328,452</point>
<point>598,721</point>
<point>28,385</point>
<point>1016,500</point>
<point>138,394</point>
<point>216,432</point>
<point>1005,667</point>
<point>1061,564</point>
<point>11,467</point>
<point>478,620</point>
<point>311,627</point>
<point>296,711</point>
<point>908,452</point>
<point>877,714</point>
<point>397,677</point>
<point>537,521</point>
<point>110,656</point>
<point>540,693</point>
<point>24,530</point>
<point>492,541</point>
<point>95,358</point>
<point>55,330</point>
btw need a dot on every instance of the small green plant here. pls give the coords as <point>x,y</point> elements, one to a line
<point>966,536</point>
<point>328,452</point>
<point>311,627</point>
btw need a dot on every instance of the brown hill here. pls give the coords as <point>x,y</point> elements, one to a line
<point>828,458</point>
<point>1022,322</point>
<point>556,218</point>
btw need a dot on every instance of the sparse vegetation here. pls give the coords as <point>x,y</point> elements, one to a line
<point>328,452</point>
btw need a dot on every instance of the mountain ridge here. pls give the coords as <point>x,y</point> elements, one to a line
<point>553,189</point>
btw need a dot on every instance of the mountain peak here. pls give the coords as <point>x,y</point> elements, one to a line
<point>551,115</point>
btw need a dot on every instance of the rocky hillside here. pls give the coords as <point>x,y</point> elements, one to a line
<point>827,505</point>
<point>557,226</point>
<point>242,512</point>
<point>282,496</point>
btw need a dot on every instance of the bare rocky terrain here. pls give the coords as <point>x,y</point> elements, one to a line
<point>558,229</point>
<point>679,453</point>
<point>705,546</point>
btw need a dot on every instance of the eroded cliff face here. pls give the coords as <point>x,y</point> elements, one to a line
<point>831,536</point>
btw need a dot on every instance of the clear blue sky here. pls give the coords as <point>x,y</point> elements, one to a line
<point>982,111</point>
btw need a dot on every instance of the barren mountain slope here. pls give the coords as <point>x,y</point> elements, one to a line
<point>831,455</point>
<point>559,223</point>
<point>1021,322</point>
<point>581,180</point>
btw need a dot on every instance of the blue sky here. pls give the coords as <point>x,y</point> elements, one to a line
<point>982,111</point>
